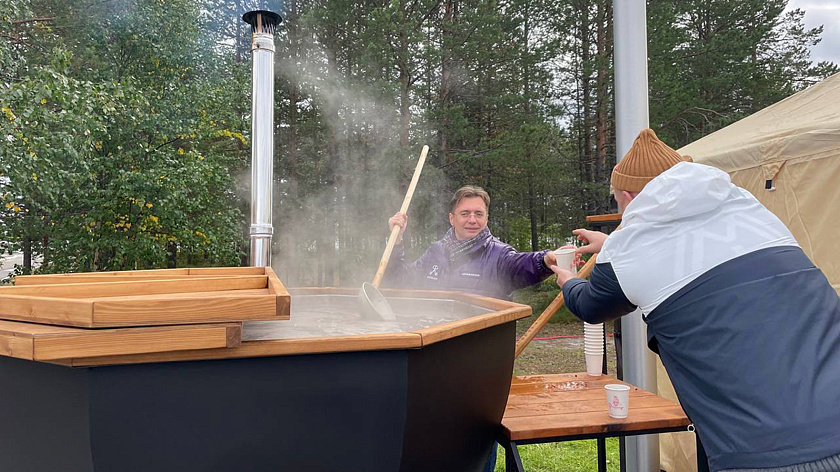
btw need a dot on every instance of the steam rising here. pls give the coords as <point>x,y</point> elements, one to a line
<point>332,231</point>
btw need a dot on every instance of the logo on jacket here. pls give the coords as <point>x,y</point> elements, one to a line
<point>434,273</point>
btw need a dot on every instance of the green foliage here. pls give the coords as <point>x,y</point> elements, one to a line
<point>714,62</point>
<point>125,122</point>
<point>540,296</point>
<point>126,163</point>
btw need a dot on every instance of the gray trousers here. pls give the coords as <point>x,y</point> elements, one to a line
<point>829,464</point>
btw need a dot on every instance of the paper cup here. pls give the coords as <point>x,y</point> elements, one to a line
<point>566,258</point>
<point>594,363</point>
<point>618,400</point>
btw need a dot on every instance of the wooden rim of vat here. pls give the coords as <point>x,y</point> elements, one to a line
<point>505,312</point>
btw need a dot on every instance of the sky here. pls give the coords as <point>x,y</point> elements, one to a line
<point>826,13</point>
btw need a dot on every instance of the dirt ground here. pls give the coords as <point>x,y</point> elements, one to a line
<point>552,356</point>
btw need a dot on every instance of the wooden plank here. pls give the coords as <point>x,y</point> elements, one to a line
<point>70,278</point>
<point>562,386</point>
<point>452,329</point>
<point>544,378</point>
<point>87,279</point>
<point>14,345</point>
<point>575,407</point>
<point>191,295</point>
<point>586,395</point>
<point>220,271</point>
<point>137,341</point>
<point>368,342</point>
<point>159,310</point>
<point>283,299</point>
<point>61,311</point>
<point>549,426</point>
<point>148,274</point>
<point>45,343</point>
<point>608,218</point>
<point>142,287</point>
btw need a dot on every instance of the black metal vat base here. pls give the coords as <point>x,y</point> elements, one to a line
<point>431,409</point>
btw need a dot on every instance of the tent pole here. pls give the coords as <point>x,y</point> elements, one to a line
<point>631,103</point>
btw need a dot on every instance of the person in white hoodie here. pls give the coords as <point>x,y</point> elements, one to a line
<point>745,324</point>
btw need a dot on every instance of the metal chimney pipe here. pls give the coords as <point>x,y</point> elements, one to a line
<point>263,25</point>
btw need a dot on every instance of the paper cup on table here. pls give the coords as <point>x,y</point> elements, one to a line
<point>618,399</point>
<point>594,363</point>
<point>566,258</point>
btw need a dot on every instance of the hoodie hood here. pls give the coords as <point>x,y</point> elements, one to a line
<point>686,189</point>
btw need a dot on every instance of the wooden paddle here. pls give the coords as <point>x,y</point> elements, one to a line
<point>550,310</point>
<point>392,239</point>
<point>372,301</point>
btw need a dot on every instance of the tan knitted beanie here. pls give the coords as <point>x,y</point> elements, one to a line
<point>647,158</point>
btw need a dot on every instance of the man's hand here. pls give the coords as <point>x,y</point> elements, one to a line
<point>593,241</point>
<point>399,219</point>
<point>563,275</point>
<point>550,259</point>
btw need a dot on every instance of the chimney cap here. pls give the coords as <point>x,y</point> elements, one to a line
<point>262,21</point>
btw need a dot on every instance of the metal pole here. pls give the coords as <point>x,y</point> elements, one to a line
<point>631,103</point>
<point>262,147</point>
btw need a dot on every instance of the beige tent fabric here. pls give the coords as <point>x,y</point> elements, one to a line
<point>796,144</point>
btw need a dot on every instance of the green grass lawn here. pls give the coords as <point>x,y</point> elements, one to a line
<point>574,456</point>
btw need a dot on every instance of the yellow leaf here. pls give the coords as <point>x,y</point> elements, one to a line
<point>8,112</point>
<point>181,151</point>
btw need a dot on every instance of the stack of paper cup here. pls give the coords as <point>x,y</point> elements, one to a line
<point>566,258</point>
<point>593,347</point>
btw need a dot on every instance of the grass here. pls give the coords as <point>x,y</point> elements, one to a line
<point>573,456</point>
<point>540,295</point>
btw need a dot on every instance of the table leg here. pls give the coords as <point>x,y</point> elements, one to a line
<point>602,454</point>
<point>513,463</point>
<point>622,455</point>
<point>702,459</point>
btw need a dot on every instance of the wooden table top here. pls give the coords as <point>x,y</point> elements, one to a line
<point>567,405</point>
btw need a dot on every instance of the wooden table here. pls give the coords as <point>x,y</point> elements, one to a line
<point>569,407</point>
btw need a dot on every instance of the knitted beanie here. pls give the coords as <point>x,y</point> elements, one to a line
<point>647,158</point>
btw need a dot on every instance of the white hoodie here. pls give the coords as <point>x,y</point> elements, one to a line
<point>685,222</point>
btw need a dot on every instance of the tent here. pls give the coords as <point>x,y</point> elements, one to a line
<point>788,156</point>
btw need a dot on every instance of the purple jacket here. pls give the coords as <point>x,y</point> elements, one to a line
<point>493,269</point>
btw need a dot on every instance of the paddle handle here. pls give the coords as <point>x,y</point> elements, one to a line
<point>549,311</point>
<point>395,231</point>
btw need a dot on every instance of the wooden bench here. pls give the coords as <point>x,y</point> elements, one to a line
<point>570,407</point>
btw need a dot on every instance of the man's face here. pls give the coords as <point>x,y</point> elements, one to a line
<point>469,217</point>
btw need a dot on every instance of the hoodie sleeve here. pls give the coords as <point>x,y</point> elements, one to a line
<point>523,268</point>
<point>407,275</point>
<point>599,299</point>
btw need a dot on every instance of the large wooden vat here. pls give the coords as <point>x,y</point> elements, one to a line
<point>79,399</point>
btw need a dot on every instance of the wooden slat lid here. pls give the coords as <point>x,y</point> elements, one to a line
<point>50,343</point>
<point>147,298</point>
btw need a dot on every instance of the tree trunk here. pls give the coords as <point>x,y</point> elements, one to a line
<point>529,153</point>
<point>601,93</point>
<point>446,77</point>
<point>27,255</point>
